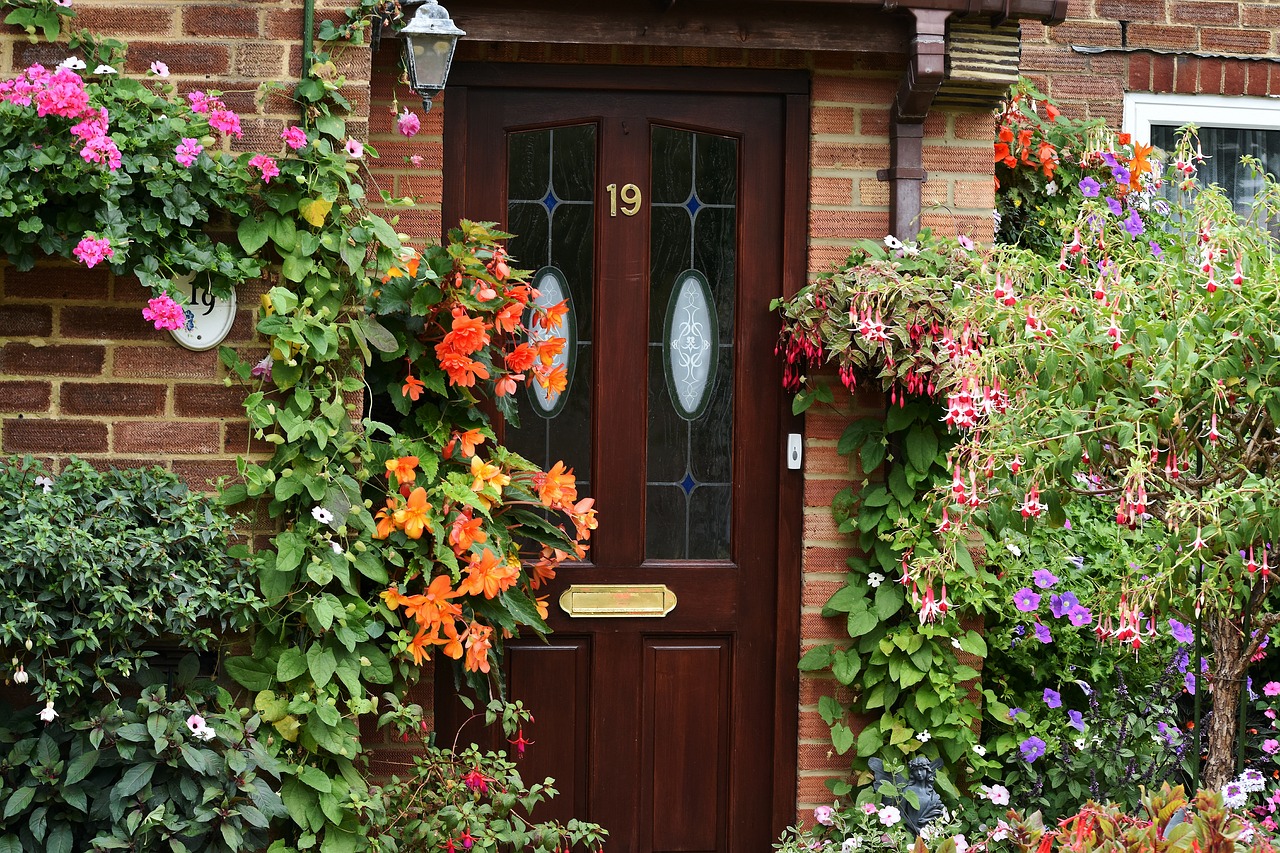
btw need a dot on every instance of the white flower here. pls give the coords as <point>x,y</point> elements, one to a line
<point>20,677</point>
<point>955,642</point>
<point>889,815</point>
<point>321,514</point>
<point>159,69</point>
<point>1001,833</point>
<point>1233,795</point>
<point>995,217</point>
<point>199,728</point>
<point>337,549</point>
<point>850,844</point>
<point>892,242</point>
<point>1051,188</point>
<point>75,63</point>
<point>875,579</point>
<point>48,714</point>
<point>1251,780</point>
<point>104,69</point>
<point>923,735</point>
<point>979,749</point>
<point>1246,834</point>
<point>1014,549</point>
<point>205,734</point>
<point>1079,742</point>
<point>962,843</point>
<point>46,483</point>
<point>910,249</point>
<point>997,794</point>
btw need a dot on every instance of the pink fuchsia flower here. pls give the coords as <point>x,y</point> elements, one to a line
<point>408,123</point>
<point>226,121</point>
<point>92,250</point>
<point>824,815</point>
<point>997,794</point>
<point>187,152</point>
<point>159,69</point>
<point>165,313</point>
<point>294,136</point>
<point>262,370</point>
<point>354,148</point>
<point>102,149</point>
<point>1271,746</point>
<point>266,165</point>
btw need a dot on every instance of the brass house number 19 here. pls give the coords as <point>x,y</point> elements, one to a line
<point>630,199</point>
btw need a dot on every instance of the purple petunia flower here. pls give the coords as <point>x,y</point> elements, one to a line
<point>1079,616</point>
<point>1026,600</point>
<point>1032,748</point>
<point>1189,681</point>
<point>1013,713</point>
<point>1133,224</point>
<point>1042,634</point>
<point>1052,698</point>
<point>1116,207</point>
<point>1060,605</point>
<point>1076,720</point>
<point>1078,562</point>
<point>1182,633</point>
<point>1120,173</point>
<point>1089,188</point>
<point>1044,578</point>
<point>1182,660</point>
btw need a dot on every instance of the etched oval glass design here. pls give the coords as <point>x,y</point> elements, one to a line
<point>692,344</point>
<point>553,288</point>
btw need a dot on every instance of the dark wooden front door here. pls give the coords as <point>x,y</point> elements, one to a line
<point>660,216</point>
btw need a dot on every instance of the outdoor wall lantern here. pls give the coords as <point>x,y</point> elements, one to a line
<point>429,42</point>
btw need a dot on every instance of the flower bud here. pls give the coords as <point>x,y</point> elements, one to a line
<point>27,644</point>
<point>207,140</point>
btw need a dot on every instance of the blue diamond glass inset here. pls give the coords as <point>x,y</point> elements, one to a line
<point>693,205</point>
<point>550,201</point>
<point>688,483</point>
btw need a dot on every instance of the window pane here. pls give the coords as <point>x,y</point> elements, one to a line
<point>551,178</point>
<point>1223,147</point>
<point>693,269</point>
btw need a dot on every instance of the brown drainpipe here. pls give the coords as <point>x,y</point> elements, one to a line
<point>926,69</point>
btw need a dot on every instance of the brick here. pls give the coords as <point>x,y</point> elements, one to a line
<point>129,20</point>
<point>58,360</point>
<point>850,156</point>
<point>975,126</point>
<point>38,435</point>
<point>849,225</point>
<point>163,362</point>
<point>824,558</point>
<point>1096,34</point>
<point>1210,76</point>
<point>825,460</point>
<point>28,397</point>
<point>853,90</point>
<point>1266,15</point>
<point>832,120</point>
<point>208,401</point>
<point>239,441</point>
<point>1139,73</point>
<point>166,437</point>
<point>1204,12</point>
<point>223,20</point>
<point>25,321</point>
<point>1159,35</point>
<point>974,194</point>
<point>47,282</point>
<point>258,60</point>
<point>818,593</point>
<point>1187,77</point>
<point>1162,71</point>
<point>1077,87</point>
<point>1235,41</point>
<point>954,158</point>
<point>111,398</point>
<point>204,476</point>
<point>1257,78</point>
<point>1132,10</point>
<point>108,324</point>
<point>195,58</point>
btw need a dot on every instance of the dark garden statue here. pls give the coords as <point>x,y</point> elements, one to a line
<point>921,772</point>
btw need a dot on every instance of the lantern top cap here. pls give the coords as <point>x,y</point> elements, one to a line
<point>431,19</point>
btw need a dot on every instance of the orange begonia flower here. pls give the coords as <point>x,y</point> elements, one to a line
<point>462,370</point>
<point>557,486</point>
<point>549,349</point>
<point>484,474</point>
<point>522,358</point>
<point>469,440</point>
<point>412,388</point>
<point>543,607</point>
<point>467,335</point>
<point>430,608</point>
<point>541,572</point>
<point>465,531</point>
<point>413,517</point>
<point>478,645</point>
<point>452,642</point>
<point>554,381</point>
<point>487,576</point>
<point>553,316</point>
<point>391,595</point>
<point>386,520</point>
<point>418,646</point>
<point>505,385</point>
<point>403,469</point>
<point>1139,165</point>
<point>508,319</point>
<point>584,517</point>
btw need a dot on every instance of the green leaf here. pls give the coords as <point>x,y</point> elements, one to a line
<point>295,268</point>
<point>292,664</point>
<point>845,666</point>
<point>819,657</point>
<point>321,663</point>
<point>251,673</point>
<point>869,740</point>
<point>922,447</point>
<point>253,234</point>
<point>19,801</point>
<point>377,335</point>
<point>134,779</point>
<point>873,453</point>
<point>316,779</point>
<point>80,767</point>
<point>841,738</point>
<point>59,839</point>
<point>972,642</point>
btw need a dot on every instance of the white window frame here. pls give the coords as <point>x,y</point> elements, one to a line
<point>1143,109</point>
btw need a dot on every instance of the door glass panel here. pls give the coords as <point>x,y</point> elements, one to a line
<point>693,269</point>
<point>551,178</point>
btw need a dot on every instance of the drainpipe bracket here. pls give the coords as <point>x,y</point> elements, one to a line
<point>902,173</point>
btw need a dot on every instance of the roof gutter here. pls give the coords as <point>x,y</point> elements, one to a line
<point>926,69</point>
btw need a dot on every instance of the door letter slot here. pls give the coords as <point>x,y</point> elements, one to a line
<point>622,600</point>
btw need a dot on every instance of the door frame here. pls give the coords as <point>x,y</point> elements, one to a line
<point>794,88</point>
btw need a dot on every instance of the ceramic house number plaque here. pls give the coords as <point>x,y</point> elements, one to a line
<point>208,317</point>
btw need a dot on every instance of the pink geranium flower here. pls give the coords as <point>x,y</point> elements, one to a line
<point>102,149</point>
<point>63,95</point>
<point>408,123</point>
<point>200,102</point>
<point>93,250</point>
<point>226,121</point>
<point>187,152</point>
<point>266,165</point>
<point>294,136</point>
<point>166,314</point>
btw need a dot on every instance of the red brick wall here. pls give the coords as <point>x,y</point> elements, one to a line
<point>1220,47</point>
<point>80,370</point>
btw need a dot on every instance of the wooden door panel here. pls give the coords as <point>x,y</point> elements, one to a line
<point>687,761</point>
